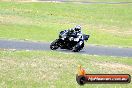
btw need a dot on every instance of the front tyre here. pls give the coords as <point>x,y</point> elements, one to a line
<point>82,45</point>
<point>54,45</point>
<point>78,47</point>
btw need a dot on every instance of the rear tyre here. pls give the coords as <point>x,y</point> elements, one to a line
<point>54,45</point>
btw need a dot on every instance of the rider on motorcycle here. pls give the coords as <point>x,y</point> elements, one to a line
<point>76,31</point>
<point>71,39</point>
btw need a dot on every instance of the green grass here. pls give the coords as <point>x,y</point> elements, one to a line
<point>80,0</point>
<point>102,0</point>
<point>106,23</point>
<point>37,69</point>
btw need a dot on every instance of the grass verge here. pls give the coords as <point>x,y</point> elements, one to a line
<point>108,24</point>
<point>51,69</point>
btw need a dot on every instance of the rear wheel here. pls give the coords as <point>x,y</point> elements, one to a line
<point>54,45</point>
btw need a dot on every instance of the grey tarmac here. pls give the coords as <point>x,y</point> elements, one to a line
<point>45,46</point>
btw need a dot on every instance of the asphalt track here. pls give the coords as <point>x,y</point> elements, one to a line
<point>88,49</point>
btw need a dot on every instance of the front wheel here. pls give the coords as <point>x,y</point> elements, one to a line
<point>54,45</point>
<point>78,47</point>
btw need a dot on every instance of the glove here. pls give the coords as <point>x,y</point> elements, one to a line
<point>76,39</point>
<point>71,38</point>
<point>63,37</point>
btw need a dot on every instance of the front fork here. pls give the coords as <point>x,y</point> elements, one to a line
<point>81,42</point>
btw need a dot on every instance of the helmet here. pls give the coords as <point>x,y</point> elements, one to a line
<point>77,28</point>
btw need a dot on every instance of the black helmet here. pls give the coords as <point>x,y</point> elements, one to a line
<point>77,28</point>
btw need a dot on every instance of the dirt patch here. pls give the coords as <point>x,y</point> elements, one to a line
<point>8,19</point>
<point>129,32</point>
<point>113,66</point>
<point>15,0</point>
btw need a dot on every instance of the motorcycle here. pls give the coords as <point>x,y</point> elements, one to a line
<point>70,42</point>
